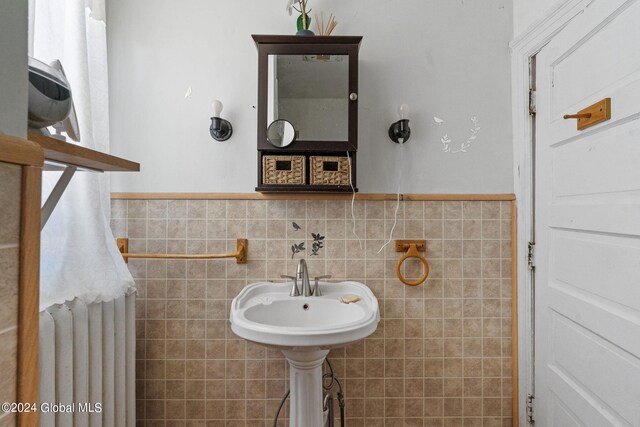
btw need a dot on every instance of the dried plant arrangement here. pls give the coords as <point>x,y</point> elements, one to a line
<point>321,28</point>
<point>300,6</point>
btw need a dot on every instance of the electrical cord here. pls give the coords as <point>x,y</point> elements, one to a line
<point>284,399</point>
<point>330,375</point>
<point>353,201</point>
<point>342,404</point>
<point>395,214</point>
<point>332,378</point>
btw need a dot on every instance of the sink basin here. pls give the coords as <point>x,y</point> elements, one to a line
<point>305,329</point>
<point>265,313</point>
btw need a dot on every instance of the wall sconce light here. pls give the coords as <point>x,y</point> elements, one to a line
<point>399,132</point>
<point>220,129</point>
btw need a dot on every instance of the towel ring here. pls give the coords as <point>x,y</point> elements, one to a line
<point>412,253</point>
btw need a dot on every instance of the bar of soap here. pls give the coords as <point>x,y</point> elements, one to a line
<point>349,298</point>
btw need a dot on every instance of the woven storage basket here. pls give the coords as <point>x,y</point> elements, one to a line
<point>329,170</point>
<point>283,170</point>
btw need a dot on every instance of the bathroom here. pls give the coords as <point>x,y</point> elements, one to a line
<point>455,181</point>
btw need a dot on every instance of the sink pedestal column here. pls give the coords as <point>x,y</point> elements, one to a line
<point>305,400</point>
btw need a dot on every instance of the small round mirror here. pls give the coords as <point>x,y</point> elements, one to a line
<point>281,133</point>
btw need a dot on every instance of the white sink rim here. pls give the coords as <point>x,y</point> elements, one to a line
<point>293,337</point>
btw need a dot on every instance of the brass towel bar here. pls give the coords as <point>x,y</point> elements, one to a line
<point>240,255</point>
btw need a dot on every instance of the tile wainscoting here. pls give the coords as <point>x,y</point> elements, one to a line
<point>441,355</point>
<point>10,209</point>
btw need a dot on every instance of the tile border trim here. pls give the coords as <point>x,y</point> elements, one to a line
<point>312,196</point>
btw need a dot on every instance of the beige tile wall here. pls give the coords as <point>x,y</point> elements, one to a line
<point>10,184</point>
<point>441,355</point>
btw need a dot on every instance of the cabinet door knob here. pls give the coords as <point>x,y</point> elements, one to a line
<point>353,96</point>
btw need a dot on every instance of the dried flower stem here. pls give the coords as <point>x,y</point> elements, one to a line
<point>303,7</point>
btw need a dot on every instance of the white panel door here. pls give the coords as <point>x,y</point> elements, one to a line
<point>588,223</point>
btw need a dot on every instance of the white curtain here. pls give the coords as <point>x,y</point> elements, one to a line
<point>79,255</point>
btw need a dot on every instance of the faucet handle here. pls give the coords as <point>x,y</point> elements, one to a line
<point>295,292</point>
<point>316,287</point>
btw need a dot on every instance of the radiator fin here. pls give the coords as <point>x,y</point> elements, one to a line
<point>87,355</point>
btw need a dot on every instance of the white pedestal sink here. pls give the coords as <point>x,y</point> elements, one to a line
<point>305,329</point>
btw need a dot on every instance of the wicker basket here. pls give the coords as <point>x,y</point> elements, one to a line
<point>283,170</point>
<point>330,170</point>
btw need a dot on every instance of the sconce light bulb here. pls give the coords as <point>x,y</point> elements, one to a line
<point>403,111</point>
<point>217,108</point>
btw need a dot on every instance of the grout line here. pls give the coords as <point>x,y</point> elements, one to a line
<point>226,302</point>
<point>146,275</point>
<point>8,329</point>
<point>245,268</point>
<point>501,318</point>
<point>206,307</point>
<point>442,308</point>
<point>400,202</point>
<point>482,314</point>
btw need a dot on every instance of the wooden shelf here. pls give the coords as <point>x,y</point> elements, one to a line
<point>19,151</point>
<point>293,39</point>
<point>68,158</point>
<point>81,157</point>
<point>283,188</point>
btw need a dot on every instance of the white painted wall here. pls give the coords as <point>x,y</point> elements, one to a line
<point>13,67</point>
<point>527,12</point>
<point>444,58</point>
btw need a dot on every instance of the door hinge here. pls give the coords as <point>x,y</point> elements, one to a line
<point>531,255</point>
<point>530,419</point>
<point>532,102</point>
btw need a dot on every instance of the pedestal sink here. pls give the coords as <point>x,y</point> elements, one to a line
<point>305,329</point>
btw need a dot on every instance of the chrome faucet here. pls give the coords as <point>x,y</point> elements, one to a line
<point>302,275</point>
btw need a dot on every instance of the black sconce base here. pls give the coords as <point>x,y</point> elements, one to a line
<point>220,129</point>
<point>399,132</point>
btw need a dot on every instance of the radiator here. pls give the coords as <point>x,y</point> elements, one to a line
<point>87,364</point>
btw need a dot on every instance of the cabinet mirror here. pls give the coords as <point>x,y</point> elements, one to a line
<point>312,93</point>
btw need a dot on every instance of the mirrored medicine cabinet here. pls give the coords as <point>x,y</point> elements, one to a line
<point>307,113</point>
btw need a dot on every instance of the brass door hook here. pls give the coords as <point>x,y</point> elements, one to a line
<point>592,115</point>
<point>577,116</point>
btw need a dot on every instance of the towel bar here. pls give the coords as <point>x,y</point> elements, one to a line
<point>240,255</point>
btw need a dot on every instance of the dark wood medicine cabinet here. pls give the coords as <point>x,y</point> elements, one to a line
<point>307,113</point>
